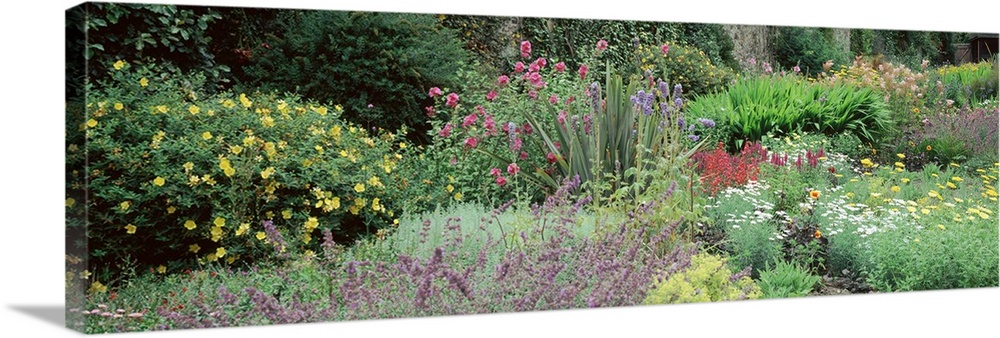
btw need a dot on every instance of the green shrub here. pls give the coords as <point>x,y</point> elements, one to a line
<point>175,37</point>
<point>778,105</point>
<point>171,176</point>
<point>786,280</point>
<point>807,47</point>
<point>687,66</point>
<point>378,65</point>
<point>707,279</point>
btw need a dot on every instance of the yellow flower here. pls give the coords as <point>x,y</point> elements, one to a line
<point>360,187</point>
<point>188,166</point>
<point>220,252</point>
<point>119,65</point>
<point>229,171</point>
<point>374,181</point>
<point>159,181</point>
<point>928,147</point>
<point>321,110</point>
<point>267,172</point>
<point>953,164</point>
<point>189,224</point>
<point>911,209</point>
<point>894,188</point>
<point>219,222</point>
<point>206,135</point>
<point>402,145</point>
<point>143,82</point>
<point>905,180</point>
<point>194,248</point>
<point>70,202</point>
<point>311,224</point>
<point>242,229</point>
<point>97,287</point>
<point>130,229</point>
<point>245,101</point>
<point>91,123</point>
<point>925,211</point>
<point>124,205</point>
<point>449,188</point>
<point>956,179</point>
<point>194,110</point>
<point>899,164</point>
<point>161,269</point>
<point>119,106</point>
<point>901,156</point>
<point>458,196</point>
<point>286,214</point>
<point>941,226</point>
<point>216,233</point>
<point>867,163</point>
<point>236,150</point>
<point>335,203</point>
<point>261,235</point>
<point>814,194</point>
<point>951,185</point>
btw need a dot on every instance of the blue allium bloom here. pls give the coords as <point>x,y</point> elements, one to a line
<point>681,123</point>
<point>707,123</point>
<point>644,100</point>
<point>694,138</point>
<point>664,90</point>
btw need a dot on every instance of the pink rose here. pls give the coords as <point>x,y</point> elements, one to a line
<point>665,48</point>
<point>560,67</point>
<point>602,45</point>
<point>469,120</point>
<point>583,71</point>
<point>495,172</point>
<point>491,95</point>
<point>525,48</point>
<point>430,111</point>
<point>503,80</point>
<point>541,62</point>
<point>551,157</point>
<point>553,99</point>
<point>452,100</point>
<point>471,142</point>
<point>519,67</point>
<point>435,91</point>
<point>446,130</point>
<point>501,181</point>
<point>524,155</point>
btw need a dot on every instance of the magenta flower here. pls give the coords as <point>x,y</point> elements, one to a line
<point>583,71</point>
<point>526,128</point>
<point>533,67</point>
<point>513,169</point>
<point>452,100</point>
<point>561,117</point>
<point>492,95</point>
<point>560,67</point>
<point>541,62</point>
<point>524,155</point>
<point>471,142</point>
<point>435,91</point>
<point>553,99</point>
<point>480,110</point>
<point>430,111</point>
<point>446,130</point>
<point>551,158</point>
<point>469,120</point>
<point>519,67</point>
<point>503,80</point>
<point>495,172</point>
<point>665,48</point>
<point>602,45</point>
<point>489,124</point>
<point>536,80</point>
<point>453,161</point>
<point>525,48</point>
<point>533,94</point>
<point>557,145</point>
<point>796,69</point>
<point>501,181</point>
<point>753,61</point>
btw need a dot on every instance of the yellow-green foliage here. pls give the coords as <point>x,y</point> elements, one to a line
<point>706,280</point>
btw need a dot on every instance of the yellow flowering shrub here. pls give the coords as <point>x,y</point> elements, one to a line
<point>177,177</point>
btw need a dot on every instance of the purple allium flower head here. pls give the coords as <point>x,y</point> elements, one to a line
<point>707,123</point>
<point>694,138</point>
